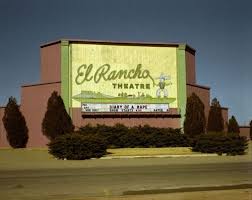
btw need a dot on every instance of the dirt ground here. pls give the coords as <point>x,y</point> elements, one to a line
<point>33,174</point>
<point>242,194</point>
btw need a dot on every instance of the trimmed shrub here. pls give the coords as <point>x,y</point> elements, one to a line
<point>231,144</point>
<point>77,147</point>
<point>120,136</point>
<point>233,126</point>
<point>56,121</point>
<point>195,120</point>
<point>215,120</point>
<point>15,125</point>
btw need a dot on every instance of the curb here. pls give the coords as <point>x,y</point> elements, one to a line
<point>159,156</point>
<point>188,189</point>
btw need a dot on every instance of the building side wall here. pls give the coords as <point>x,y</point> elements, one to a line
<point>190,68</point>
<point>203,94</point>
<point>50,63</point>
<point>33,105</point>
<point>244,131</point>
<point>224,112</point>
<point>3,138</point>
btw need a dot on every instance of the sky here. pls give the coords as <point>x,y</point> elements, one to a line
<point>219,30</point>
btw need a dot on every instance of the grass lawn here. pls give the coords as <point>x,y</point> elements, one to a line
<point>151,151</point>
<point>39,158</point>
<point>159,151</point>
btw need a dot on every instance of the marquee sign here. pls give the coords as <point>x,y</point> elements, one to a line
<point>105,107</point>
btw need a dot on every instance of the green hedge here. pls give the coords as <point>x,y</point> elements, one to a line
<point>120,136</point>
<point>231,144</point>
<point>92,142</point>
<point>77,147</point>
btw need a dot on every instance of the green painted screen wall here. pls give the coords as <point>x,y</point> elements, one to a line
<point>65,76</point>
<point>181,65</point>
<point>69,64</point>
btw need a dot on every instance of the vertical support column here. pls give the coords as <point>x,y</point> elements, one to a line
<point>181,74</point>
<point>65,74</point>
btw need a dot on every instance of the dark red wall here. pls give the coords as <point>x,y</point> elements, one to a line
<point>3,139</point>
<point>50,60</point>
<point>245,131</point>
<point>34,103</point>
<point>202,92</point>
<point>190,68</point>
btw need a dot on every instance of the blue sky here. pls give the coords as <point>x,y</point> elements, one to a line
<point>220,31</point>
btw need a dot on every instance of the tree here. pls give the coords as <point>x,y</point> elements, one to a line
<point>215,119</point>
<point>250,129</point>
<point>195,121</point>
<point>15,125</point>
<point>56,121</point>
<point>233,126</point>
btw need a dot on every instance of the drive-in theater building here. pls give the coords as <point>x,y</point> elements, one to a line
<point>105,82</point>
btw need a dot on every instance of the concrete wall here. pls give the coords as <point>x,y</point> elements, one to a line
<point>33,105</point>
<point>50,63</point>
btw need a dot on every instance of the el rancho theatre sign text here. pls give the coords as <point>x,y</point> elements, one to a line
<point>106,78</point>
<point>105,73</point>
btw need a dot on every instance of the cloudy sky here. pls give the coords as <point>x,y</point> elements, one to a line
<point>220,31</point>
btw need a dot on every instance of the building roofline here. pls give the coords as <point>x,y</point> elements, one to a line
<point>39,84</point>
<point>199,86</point>
<point>50,43</point>
<point>222,108</point>
<point>126,43</point>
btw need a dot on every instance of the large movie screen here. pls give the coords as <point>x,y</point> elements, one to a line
<point>116,78</point>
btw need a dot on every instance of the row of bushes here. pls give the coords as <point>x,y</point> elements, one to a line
<point>92,142</point>
<point>229,143</point>
<point>77,147</point>
<point>120,136</point>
